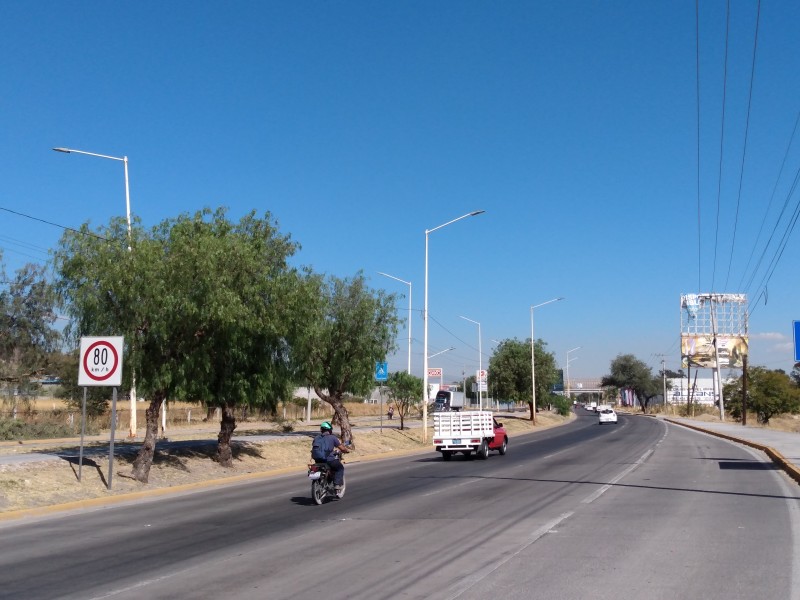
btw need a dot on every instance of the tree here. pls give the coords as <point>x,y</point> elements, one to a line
<point>65,367</point>
<point>202,304</point>
<point>769,393</point>
<point>471,383</point>
<point>628,372</point>
<point>346,328</point>
<point>510,371</point>
<point>406,391</point>
<point>27,314</point>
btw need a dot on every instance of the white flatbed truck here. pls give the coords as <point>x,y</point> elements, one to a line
<point>467,432</point>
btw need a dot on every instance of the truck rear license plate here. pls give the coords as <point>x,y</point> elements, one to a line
<point>456,441</point>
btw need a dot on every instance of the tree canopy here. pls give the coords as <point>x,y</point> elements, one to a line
<point>347,328</point>
<point>201,302</point>
<point>27,313</point>
<point>628,372</point>
<point>769,393</point>
<point>510,371</point>
<point>405,391</point>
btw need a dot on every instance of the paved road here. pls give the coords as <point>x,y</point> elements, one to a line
<point>782,446</point>
<point>645,509</point>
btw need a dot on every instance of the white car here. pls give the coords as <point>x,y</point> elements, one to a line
<point>607,415</point>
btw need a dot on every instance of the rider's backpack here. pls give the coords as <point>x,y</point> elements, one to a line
<point>318,449</point>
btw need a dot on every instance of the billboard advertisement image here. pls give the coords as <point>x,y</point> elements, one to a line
<point>698,350</point>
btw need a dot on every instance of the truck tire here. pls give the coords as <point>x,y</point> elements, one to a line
<point>483,451</point>
<point>446,455</point>
<point>502,449</point>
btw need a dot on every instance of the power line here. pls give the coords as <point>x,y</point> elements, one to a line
<point>782,245</point>
<point>769,205</point>
<point>7,249</point>
<point>746,134</point>
<point>774,230</point>
<point>697,66</point>
<point>721,138</point>
<point>64,227</point>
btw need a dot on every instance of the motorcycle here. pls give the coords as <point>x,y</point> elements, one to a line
<point>322,487</point>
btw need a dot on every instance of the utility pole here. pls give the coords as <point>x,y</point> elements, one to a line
<point>744,390</point>
<point>718,379</point>
<point>663,379</point>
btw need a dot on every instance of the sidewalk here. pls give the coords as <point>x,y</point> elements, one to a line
<point>783,447</point>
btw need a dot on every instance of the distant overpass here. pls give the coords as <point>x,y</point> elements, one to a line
<point>581,385</point>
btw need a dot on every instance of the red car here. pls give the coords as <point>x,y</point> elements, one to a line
<point>500,441</point>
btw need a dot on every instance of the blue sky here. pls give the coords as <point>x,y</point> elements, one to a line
<point>360,125</point>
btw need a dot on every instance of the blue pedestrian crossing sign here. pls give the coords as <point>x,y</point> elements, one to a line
<point>796,341</point>
<point>381,371</point>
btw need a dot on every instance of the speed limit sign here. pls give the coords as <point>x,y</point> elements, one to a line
<point>100,361</point>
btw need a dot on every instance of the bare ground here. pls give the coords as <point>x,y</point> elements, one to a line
<point>48,483</point>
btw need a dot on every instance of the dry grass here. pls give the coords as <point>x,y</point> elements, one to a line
<point>54,482</point>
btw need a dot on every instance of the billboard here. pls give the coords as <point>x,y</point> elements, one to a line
<point>558,386</point>
<point>698,351</point>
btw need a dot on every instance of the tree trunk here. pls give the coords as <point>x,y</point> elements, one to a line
<point>144,459</point>
<point>228,423</point>
<point>530,406</point>
<point>340,416</point>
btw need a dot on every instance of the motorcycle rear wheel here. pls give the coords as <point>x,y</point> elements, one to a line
<point>318,491</point>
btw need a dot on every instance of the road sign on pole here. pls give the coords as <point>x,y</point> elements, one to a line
<point>796,341</point>
<point>100,362</point>
<point>381,371</point>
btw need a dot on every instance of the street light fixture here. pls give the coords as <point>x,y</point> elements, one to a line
<point>442,352</point>
<point>408,283</point>
<point>480,364</point>
<point>124,161</point>
<point>441,372</point>
<point>533,366</point>
<point>425,325</point>
<point>567,367</point>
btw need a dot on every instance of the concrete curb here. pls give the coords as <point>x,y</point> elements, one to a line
<point>776,456</point>
<point>186,487</point>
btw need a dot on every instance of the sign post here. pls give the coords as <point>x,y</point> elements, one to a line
<point>100,364</point>
<point>381,375</point>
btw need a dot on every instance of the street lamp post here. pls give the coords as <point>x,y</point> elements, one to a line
<point>425,326</point>
<point>408,283</point>
<point>567,366</point>
<point>124,161</point>
<point>480,364</point>
<point>533,366</point>
<point>441,374</point>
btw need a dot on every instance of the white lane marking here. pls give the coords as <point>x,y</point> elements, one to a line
<point>610,484</point>
<point>642,458</point>
<point>468,582</point>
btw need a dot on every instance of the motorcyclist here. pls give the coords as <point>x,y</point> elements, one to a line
<point>327,445</point>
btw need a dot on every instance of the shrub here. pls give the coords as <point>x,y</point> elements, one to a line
<point>17,429</point>
<point>561,404</point>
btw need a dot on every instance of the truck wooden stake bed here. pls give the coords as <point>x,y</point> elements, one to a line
<point>466,432</point>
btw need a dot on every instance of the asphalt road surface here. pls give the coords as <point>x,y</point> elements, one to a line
<point>638,510</point>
